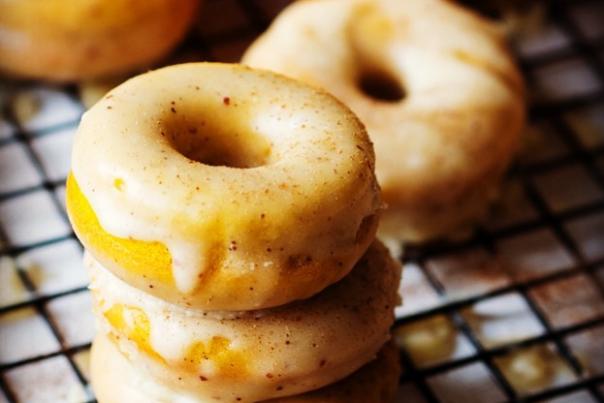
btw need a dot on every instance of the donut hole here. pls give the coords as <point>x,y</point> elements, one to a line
<point>381,86</point>
<point>217,142</point>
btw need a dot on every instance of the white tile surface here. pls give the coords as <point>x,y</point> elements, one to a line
<point>472,383</point>
<point>55,267</point>
<point>48,381</point>
<point>566,79</point>
<point>31,218</point>
<point>50,108</point>
<point>545,40</point>
<point>588,124</point>
<point>16,169</point>
<point>533,254</point>
<point>589,17</point>
<point>568,187</point>
<point>6,130</point>
<point>468,273</point>
<point>82,361</point>
<point>60,194</point>
<point>587,347</point>
<point>54,151</point>
<point>502,320</point>
<point>416,292</point>
<point>24,334</point>
<point>576,397</point>
<point>569,301</point>
<point>72,314</point>
<point>588,233</point>
<point>12,289</point>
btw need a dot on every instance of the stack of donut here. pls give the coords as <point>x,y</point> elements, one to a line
<point>229,217</point>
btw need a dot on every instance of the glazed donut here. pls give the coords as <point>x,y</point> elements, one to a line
<point>63,40</point>
<point>116,380</point>
<point>253,355</point>
<point>220,187</point>
<point>434,84</point>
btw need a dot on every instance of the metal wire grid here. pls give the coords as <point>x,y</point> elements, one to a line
<point>568,222</point>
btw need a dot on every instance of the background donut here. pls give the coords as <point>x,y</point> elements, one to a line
<point>69,40</point>
<point>436,87</point>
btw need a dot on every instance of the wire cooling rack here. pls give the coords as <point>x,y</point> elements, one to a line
<point>515,313</point>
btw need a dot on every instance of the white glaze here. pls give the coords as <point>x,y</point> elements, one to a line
<point>317,177</point>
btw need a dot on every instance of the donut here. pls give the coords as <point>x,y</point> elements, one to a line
<point>436,87</point>
<point>253,355</point>
<point>220,187</point>
<point>116,380</point>
<point>68,40</point>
